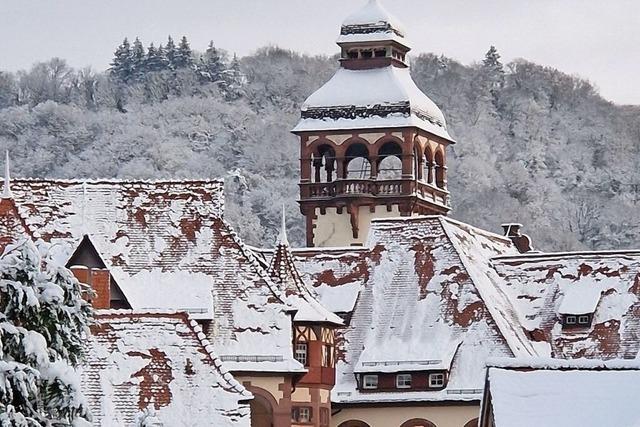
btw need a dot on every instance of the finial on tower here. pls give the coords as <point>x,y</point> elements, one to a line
<point>282,239</point>
<point>6,193</point>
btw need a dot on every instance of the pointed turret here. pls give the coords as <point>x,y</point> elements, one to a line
<point>6,192</point>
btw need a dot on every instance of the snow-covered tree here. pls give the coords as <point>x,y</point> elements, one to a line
<point>43,326</point>
<point>122,64</point>
<point>183,56</point>
<point>212,64</point>
<point>138,60</point>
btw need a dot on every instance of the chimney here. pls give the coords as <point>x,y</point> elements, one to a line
<point>522,242</point>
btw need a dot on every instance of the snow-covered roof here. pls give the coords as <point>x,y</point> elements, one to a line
<point>162,362</point>
<point>564,397</point>
<point>607,284</point>
<point>168,247</point>
<point>372,23</point>
<point>425,301</point>
<point>384,97</point>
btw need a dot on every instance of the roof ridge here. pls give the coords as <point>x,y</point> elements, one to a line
<point>120,181</point>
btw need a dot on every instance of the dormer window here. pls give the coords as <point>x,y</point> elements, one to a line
<point>436,380</point>
<point>403,381</point>
<point>577,321</point>
<point>369,382</point>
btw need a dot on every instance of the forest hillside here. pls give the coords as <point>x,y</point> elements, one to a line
<point>535,145</point>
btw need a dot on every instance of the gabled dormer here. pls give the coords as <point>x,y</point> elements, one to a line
<point>578,306</point>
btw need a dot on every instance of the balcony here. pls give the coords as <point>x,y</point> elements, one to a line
<point>353,188</point>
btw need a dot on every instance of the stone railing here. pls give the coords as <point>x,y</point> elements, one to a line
<point>375,188</point>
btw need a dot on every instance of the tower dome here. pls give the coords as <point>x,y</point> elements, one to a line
<point>371,23</point>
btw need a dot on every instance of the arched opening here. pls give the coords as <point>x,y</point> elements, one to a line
<point>390,161</point>
<point>473,423</point>
<point>354,423</point>
<point>418,422</point>
<point>261,412</point>
<point>427,171</point>
<point>440,169</point>
<point>324,164</point>
<point>357,163</point>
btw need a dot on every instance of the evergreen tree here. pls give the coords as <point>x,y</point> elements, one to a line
<point>234,79</point>
<point>43,328</point>
<point>139,60</point>
<point>122,64</point>
<point>170,52</point>
<point>212,65</point>
<point>494,69</point>
<point>156,60</point>
<point>184,58</point>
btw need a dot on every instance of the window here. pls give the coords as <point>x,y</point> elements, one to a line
<point>583,320</point>
<point>327,356</point>
<point>403,381</point>
<point>301,414</point>
<point>366,54</point>
<point>324,417</point>
<point>370,382</point>
<point>436,380</point>
<point>380,53</point>
<point>570,320</point>
<point>352,54</point>
<point>300,353</point>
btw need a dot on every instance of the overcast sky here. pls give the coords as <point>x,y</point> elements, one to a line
<point>591,38</point>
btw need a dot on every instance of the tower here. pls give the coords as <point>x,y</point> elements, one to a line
<point>372,145</point>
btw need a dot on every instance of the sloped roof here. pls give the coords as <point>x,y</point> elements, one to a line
<point>167,247</point>
<point>12,224</point>
<point>304,299</point>
<point>425,297</point>
<point>609,282</point>
<point>161,362</point>
<point>572,395</point>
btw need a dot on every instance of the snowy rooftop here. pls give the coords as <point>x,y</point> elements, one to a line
<point>377,98</point>
<point>569,398</point>
<point>159,362</point>
<point>167,247</point>
<point>371,23</point>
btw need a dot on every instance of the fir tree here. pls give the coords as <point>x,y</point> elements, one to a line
<point>139,60</point>
<point>494,68</point>
<point>156,60</point>
<point>234,79</point>
<point>212,65</point>
<point>170,52</point>
<point>122,65</point>
<point>43,327</point>
<point>183,57</point>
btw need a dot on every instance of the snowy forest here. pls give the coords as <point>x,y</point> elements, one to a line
<point>535,145</point>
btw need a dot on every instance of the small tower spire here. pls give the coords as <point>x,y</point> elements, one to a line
<point>6,193</point>
<point>282,239</point>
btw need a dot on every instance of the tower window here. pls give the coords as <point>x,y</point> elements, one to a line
<point>403,381</point>
<point>327,354</point>
<point>352,54</point>
<point>300,353</point>
<point>370,382</point>
<point>367,54</point>
<point>301,414</point>
<point>436,380</point>
<point>325,417</point>
<point>380,53</point>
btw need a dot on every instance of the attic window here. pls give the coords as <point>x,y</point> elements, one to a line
<point>403,381</point>
<point>370,382</point>
<point>573,320</point>
<point>436,380</point>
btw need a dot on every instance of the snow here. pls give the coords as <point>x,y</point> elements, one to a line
<point>553,363</point>
<point>373,13</point>
<point>178,290</point>
<point>581,299</point>
<point>569,398</point>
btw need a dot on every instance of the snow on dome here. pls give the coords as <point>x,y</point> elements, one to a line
<point>368,23</point>
<point>379,97</point>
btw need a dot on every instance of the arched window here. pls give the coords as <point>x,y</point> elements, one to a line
<point>418,422</point>
<point>354,423</point>
<point>390,161</point>
<point>357,162</point>
<point>440,169</point>
<point>427,173</point>
<point>473,423</point>
<point>324,164</point>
